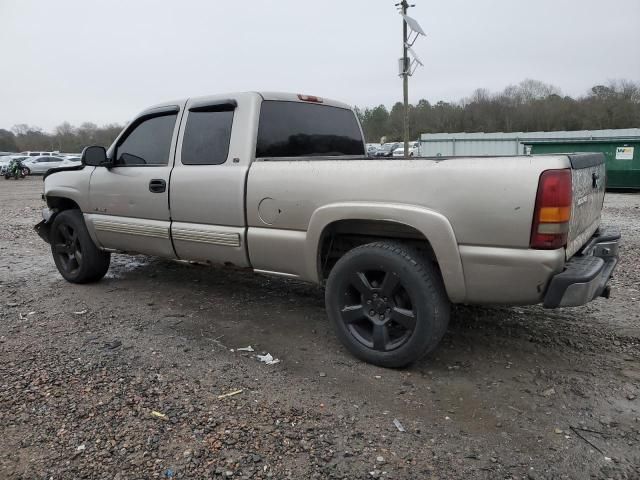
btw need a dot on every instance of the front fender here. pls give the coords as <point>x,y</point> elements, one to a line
<point>69,184</point>
<point>434,226</point>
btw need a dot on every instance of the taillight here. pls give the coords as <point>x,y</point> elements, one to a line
<point>553,210</point>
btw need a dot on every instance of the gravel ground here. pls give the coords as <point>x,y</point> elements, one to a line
<point>122,379</point>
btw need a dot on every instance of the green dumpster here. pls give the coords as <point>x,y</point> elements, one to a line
<point>623,157</point>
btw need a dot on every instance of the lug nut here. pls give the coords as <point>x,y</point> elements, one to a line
<point>382,316</point>
<point>388,310</point>
<point>385,299</point>
<point>368,302</point>
<point>375,295</point>
<point>372,313</point>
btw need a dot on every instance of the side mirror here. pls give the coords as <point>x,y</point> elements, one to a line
<point>95,156</point>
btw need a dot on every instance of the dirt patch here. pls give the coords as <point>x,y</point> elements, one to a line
<point>511,392</point>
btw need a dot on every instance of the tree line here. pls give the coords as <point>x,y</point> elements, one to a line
<point>529,106</point>
<point>64,138</point>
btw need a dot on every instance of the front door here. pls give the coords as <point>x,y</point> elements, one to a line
<point>129,203</point>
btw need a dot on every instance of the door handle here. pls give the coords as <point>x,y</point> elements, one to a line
<point>157,185</point>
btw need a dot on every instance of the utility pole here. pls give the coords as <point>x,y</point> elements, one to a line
<point>407,66</point>
<point>405,78</point>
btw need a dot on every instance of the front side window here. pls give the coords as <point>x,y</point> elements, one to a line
<point>293,129</point>
<point>149,143</point>
<point>206,137</point>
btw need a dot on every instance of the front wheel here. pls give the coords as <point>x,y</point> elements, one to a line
<point>25,172</point>
<point>76,256</point>
<point>387,304</point>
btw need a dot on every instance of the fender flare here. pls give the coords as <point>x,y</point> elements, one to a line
<point>434,226</point>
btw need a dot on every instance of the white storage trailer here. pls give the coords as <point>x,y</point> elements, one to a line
<point>499,143</point>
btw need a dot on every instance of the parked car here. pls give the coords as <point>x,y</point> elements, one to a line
<point>386,150</point>
<point>414,150</point>
<point>71,162</point>
<point>395,242</point>
<point>37,154</point>
<point>40,165</point>
<point>372,148</point>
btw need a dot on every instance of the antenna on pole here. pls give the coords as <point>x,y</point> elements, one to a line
<point>410,27</point>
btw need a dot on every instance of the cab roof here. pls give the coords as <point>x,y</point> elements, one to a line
<point>280,96</point>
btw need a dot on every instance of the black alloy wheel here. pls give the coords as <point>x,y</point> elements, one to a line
<point>78,259</point>
<point>378,310</point>
<point>387,303</point>
<point>65,244</point>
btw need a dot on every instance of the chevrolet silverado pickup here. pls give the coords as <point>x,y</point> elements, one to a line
<point>280,184</point>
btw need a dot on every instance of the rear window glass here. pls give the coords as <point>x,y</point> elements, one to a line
<point>293,129</point>
<point>206,138</point>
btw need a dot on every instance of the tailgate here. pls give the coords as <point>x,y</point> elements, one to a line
<point>588,181</point>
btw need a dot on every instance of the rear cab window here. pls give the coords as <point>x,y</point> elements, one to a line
<point>297,129</point>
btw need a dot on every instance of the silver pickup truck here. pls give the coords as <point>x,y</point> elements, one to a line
<point>280,183</point>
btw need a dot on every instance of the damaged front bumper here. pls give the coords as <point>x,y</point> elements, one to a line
<point>43,228</point>
<point>587,273</point>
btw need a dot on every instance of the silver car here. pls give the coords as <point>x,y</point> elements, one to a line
<point>71,162</point>
<point>41,165</point>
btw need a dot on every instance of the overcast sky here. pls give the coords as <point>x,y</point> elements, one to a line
<point>103,61</point>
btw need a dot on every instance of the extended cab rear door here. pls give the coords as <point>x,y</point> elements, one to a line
<point>129,203</point>
<point>215,148</point>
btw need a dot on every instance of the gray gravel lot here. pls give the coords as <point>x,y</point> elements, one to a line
<point>510,393</point>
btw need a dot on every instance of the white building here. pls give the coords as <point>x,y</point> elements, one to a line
<point>498,143</point>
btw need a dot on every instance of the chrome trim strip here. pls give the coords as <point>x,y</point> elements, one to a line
<point>279,274</point>
<point>131,229</point>
<point>199,236</point>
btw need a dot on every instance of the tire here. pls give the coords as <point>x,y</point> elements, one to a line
<point>76,256</point>
<point>387,304</point>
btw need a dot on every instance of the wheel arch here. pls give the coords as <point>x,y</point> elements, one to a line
<point>61,203</point>
<point>420,226</point>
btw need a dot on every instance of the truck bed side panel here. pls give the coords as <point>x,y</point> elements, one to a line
<point>488,201</point>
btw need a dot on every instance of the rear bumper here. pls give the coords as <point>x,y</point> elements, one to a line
<point>587,273</point>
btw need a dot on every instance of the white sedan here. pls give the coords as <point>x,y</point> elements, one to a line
<point>414,150</point>
<point>71,162</point>
<point>40,165</point>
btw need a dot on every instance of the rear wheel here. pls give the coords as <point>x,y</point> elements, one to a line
<point>387,304</point>
<point>76,256</point>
